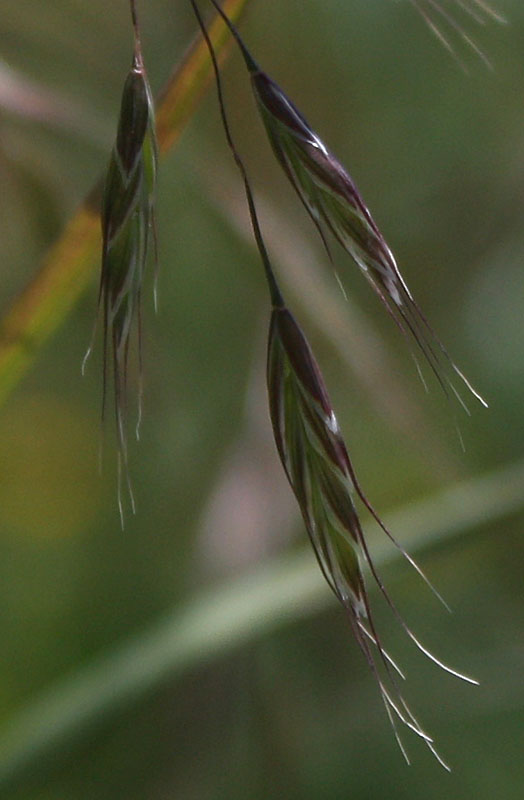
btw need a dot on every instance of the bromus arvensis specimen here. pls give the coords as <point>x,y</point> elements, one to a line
<point>333,202</point>
<point>128,221</point>
<point>316,462</point>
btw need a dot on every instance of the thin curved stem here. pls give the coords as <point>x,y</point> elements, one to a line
<point>274,290</point>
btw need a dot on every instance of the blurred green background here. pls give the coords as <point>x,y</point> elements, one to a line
<point>272,700</point>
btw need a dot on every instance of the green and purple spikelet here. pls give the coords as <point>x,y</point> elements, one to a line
<point>314,458</point>
<point>317,465</point>
<point>127,228</point>
<point>334,203</point>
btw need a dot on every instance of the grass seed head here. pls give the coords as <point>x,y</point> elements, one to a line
<point>334,203</point>
<point>127,218</point>
<point>314,457</point>
<point>319,470</point>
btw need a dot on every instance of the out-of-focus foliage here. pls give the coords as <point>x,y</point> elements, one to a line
<point>439,156</point>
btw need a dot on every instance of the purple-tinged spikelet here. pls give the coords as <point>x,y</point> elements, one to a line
<point>334,203</point>
<point>317,465</point>
<point>314,458</point>
<point>127,219</point>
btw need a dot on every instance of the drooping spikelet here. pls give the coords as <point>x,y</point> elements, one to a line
<point>314,458</point>
<point>127,227</point>
<point>334,203</point>
<point>317,465</point>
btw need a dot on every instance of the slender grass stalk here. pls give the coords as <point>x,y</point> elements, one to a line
<point>70,263</point>
<point>317,465</point>
<point>334,204</point>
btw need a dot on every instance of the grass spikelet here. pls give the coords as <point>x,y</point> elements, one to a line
<point>334,203</point>
<point>127,227</point>
<point>317,465</point>
<point>318,468</point>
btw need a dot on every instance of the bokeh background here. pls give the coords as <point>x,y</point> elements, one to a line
<point>270,697</point>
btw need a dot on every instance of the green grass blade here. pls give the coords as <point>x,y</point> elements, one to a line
<point>215,622</point>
